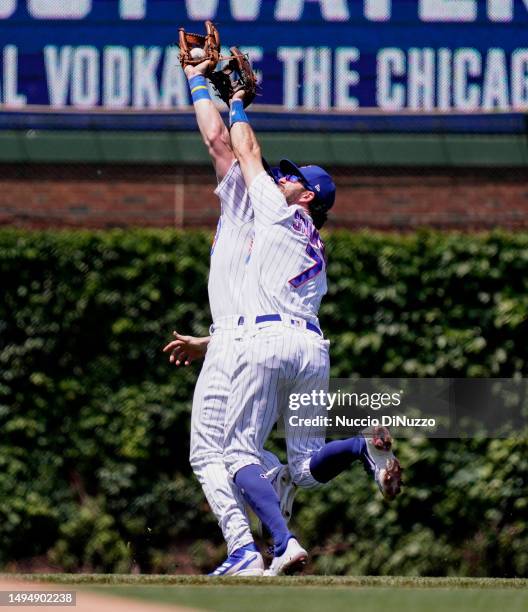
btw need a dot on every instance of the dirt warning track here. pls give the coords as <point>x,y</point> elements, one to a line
<point>85,600</point>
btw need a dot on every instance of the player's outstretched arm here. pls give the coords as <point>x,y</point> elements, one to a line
<point>244,142</point>
<point>185,349</point>
<point>212,128</point>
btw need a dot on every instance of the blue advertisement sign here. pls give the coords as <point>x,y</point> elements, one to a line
<point>311,55</point>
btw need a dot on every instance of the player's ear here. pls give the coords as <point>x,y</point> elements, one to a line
<point>307,196</point>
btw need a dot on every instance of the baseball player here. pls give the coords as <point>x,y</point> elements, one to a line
<point>282,350</point>
<point>229,256</point>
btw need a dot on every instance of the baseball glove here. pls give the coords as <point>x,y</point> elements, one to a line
<point>209,43</point>
<point>237,75</point>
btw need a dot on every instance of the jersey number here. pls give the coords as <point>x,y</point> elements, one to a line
<point>311,272</point>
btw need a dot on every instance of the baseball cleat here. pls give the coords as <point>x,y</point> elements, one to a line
<point>381,462</point>
<point>292,560</point>
<point>280,479</point>
<point>381,438</point>
<point>245,561</point>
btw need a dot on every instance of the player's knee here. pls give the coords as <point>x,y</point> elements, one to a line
<point>296,475</point>
<point>302,477</point>
<point>269,461</point>
<point>234,460</point>
<point>228,458</point>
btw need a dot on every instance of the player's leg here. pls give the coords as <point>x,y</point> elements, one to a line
<point>311,460</point>
<point>280,477</point>
<point>261,367</point>
<point>323,464</point>
<point>373,448</point>
<point>207,441</point>
<point>305,441</point>
<point>265,361</point>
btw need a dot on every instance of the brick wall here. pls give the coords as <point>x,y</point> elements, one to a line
<point>41,196</point>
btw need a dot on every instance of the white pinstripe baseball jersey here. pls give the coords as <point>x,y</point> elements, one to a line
<point>231,247</point>
<point>287,269</point>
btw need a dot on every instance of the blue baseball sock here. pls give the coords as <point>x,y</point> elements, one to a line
<point>261,496</point>
<point>335,457</point>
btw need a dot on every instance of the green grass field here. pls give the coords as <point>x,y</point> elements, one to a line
<point>311,593</point>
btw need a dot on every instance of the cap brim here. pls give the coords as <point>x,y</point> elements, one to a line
<point>272,172</point>
<point>288,167</point>
<point>267,167</point>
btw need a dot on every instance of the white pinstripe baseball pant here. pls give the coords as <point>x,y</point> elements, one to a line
<point>207,436</point>
<point>274,360</point>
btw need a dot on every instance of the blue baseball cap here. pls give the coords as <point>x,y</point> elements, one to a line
<point>274,172</point>
<point>314,179</point>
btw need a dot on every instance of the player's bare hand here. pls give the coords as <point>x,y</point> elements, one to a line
<point>239,95</point>
<point>185,349</point>
<point>201,68</point>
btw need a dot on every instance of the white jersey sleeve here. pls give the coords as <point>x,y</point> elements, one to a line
<point>268,202</point>
<point>234,198</point>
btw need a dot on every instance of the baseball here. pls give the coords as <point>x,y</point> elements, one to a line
<point>197,53</point>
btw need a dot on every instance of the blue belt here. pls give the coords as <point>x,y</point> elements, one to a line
<point>277,317</point>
